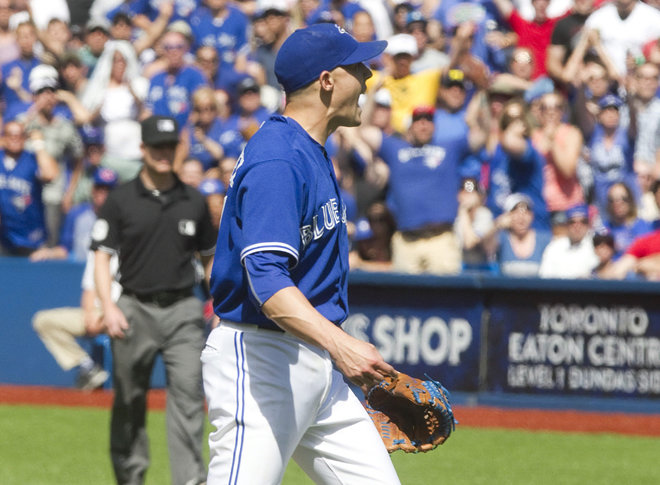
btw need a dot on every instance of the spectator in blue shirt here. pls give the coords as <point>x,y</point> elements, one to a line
<point>22,173</point>
<point>516,166</point>
<point>223,26</point>
<point>170,91</point>
<point>15,87</point>
<point>521,246</point>
<point>621,218</point>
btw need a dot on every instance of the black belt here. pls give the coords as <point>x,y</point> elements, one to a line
<point>161,298</point>
<point>427,231</point>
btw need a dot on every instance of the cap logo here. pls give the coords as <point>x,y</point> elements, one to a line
<point>165,125</point>
<point>340,29</point>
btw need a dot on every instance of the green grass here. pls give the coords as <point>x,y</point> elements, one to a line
<point>69,446</point>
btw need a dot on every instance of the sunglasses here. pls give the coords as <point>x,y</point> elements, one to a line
<point>549,107</point>
<point>624,198</point>
<point>423,117</point>
<point>43,90</point>
<point>174,47</point>
<point>200,109</point>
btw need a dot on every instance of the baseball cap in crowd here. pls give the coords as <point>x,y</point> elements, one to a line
<point>98,24</point>
<point>382,97</point>
<point>362,230</point>
<point>43,76</point>
<point>513,200</point>
<point>160,130</point>
<point>91,135</point>
<point>246,85</point>
<point>610,101</point>
<point>579,211</point>
<point>453,77</point>
<point>272,7</point>
<point>105,177</point>
<point>308,52</point>
<point>541,86</point>
<point>401,44</point>
<point>415,16</point>
<point>423,112</point>
<point>211,186</point>
<point>181,27</point>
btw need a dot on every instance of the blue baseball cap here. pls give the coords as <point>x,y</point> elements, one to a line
<point>308,52</point>
<point>579,211</point>
<point>105,177</point>
<point>362,230</point>
<point>610,101</point>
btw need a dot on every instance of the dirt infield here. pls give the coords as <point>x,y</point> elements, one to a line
<point>477,416</point>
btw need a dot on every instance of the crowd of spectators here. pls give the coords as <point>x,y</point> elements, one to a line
<point>515,137</point>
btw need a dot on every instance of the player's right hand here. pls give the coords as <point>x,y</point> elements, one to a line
<point>115,321</point>
<point>360,362</point>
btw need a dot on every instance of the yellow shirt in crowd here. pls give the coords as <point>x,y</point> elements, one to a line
<point>409,92</point>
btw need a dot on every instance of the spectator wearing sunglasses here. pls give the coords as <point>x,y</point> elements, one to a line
<point>621,218</point>
<point>170,91</point>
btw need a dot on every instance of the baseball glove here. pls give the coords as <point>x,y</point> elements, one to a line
<point>410,414</point>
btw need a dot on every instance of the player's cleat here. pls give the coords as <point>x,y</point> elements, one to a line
<point>91,379</point>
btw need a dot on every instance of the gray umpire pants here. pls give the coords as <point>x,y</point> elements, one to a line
<point>177,333</point>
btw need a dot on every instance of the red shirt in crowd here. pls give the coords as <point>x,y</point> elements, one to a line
<point>645,245</point>
<point>534,35</point>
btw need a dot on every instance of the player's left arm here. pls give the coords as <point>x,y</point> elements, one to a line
<point>359,361</point>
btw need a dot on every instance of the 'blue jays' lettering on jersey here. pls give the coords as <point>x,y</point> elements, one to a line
<point>21,208</point>
<point>283,197</point>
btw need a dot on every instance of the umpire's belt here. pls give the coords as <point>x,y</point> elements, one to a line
<point>425,232</point>
<point>161,298</point>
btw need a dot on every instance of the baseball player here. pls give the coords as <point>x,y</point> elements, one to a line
<point>273,367</point>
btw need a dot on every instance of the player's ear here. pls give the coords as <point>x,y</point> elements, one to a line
<point>327,81</point>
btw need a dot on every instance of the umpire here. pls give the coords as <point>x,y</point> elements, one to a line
<point>157,224</point>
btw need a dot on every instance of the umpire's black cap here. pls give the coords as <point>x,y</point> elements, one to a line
<point>160,130</point>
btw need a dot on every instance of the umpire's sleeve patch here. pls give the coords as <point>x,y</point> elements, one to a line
<point>100,230</point>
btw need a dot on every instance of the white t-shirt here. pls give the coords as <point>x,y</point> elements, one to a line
<point>563,260</point>
<point>88,277</point>
<point>619,36</point>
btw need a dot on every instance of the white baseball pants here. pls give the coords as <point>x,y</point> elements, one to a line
<point>272,397</point>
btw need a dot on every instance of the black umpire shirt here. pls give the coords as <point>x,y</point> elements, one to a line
<point>156,235</point>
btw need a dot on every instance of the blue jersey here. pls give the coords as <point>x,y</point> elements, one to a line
<point>611,164</point>
<point>283,197</point>
<point>484,14</point>
<point>228,35</point>
<point>22,222</point>
<point>423,182</point>
<point>509,175</point>
<point>197,149</point>
<point>170,94</point>
<point>22,68</point>
<point>625,234</point>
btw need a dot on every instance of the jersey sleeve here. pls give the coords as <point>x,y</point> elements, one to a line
<point>269,209</point>
<point>267,273</point>
<point>105,232</point>
<point>207,234</point>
